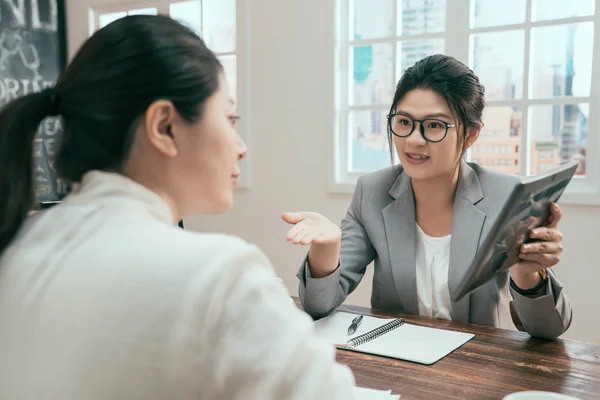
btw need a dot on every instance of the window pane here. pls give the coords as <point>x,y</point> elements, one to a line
<point>371,19</point>
<point>559,135</point>
<point>230,67</point>
<point>411,51</point>
<point>143,11</point>
<point>500,140</point>
<point>561,60</point>
<point>219,25</point>
<point>368,148</point>
<point>498,60</point>
<point>188,13</point>
<point>554,9</point>
<point>372,81</point>
<point>416,17</point>
<point>496,13</point>
<point>106,19</point>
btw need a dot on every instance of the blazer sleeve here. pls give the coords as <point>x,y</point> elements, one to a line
<point>321,296</point>
<point>262,346</point>
<point>547,316</point>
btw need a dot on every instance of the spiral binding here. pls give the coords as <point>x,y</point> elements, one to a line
<point>375,333</point>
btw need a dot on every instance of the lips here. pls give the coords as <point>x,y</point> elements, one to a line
<point>417,156</point>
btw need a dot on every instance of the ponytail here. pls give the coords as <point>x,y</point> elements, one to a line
<point>19,123</point>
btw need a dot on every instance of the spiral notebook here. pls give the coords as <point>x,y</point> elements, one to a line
<point>391,338</point>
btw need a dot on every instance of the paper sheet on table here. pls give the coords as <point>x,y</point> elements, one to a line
<point>371,394</point>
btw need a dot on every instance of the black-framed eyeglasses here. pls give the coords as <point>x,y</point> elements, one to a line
<point>432,129</point>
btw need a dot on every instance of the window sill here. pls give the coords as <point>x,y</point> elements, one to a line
<point>581,195</point>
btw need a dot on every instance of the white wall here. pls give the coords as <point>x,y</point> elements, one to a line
<point>292,75</point>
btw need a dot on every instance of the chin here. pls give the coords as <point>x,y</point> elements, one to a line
<point>221,207</point>
<point>214,206</point>
<point>417,172</point>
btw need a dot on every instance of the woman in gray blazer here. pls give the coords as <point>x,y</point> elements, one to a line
<point>422,222</point>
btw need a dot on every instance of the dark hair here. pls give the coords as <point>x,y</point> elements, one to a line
<point>103,92</point>
<point>452,80</point>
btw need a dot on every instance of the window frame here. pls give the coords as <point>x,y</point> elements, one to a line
<point>457,43</point>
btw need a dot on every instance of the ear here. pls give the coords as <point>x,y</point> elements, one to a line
<point>472,135</point>
<point>158,124</point>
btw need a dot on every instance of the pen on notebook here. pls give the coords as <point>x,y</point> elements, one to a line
<point>354,325</point>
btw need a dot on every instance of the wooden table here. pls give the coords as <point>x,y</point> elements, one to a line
<point>493,364</point>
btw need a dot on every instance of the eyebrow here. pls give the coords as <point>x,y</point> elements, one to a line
<point>435,115</point>
<point>439,115</point>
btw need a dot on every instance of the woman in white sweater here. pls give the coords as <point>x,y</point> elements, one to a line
<point>102,296</point>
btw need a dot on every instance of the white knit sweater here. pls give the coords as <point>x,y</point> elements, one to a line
<point>101,297</point>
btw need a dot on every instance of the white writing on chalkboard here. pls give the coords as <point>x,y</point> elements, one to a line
<point>11,88</point>
<point>18,8</point>
<point>51,126</point>
<point>15,44</point>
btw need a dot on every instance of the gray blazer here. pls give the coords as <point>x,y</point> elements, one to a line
<point>380,225</point>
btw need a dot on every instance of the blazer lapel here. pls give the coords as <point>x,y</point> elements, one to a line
<point>400,226</point>
<point>467,225</point>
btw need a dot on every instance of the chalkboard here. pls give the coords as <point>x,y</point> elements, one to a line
<point>32,55</point>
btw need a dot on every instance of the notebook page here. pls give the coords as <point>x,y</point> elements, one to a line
<point>334,328</point>
<point>416,343</point>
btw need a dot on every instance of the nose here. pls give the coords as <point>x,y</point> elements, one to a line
<point>416,138</point>
<point>241,147</point>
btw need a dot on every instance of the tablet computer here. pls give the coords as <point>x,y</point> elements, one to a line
<point>527,207</point>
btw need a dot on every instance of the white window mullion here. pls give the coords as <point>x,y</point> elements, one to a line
<point>96,19</point>
<point>374,107</point>
<point>202,33</point>
<point>228,53</point>
<point>592,158</point>
<point>546,101</point>
<point>111,6</point>
<point>530,24</point>
<point>526,140</point>
<point>341,144</point>
<point>395,76</point>
<point>457,33</point>
<point>385,40</point>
